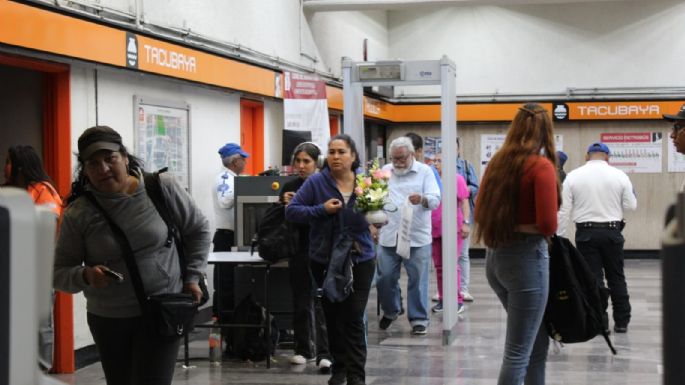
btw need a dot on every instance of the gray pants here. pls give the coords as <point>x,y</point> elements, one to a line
<point>465,265</point>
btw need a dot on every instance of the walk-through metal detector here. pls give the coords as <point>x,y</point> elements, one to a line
<point>26,255</point>
<point>357,75</point>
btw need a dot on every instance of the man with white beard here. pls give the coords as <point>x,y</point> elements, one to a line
<point>414,182</point>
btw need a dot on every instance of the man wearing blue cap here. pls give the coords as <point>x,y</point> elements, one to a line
<point>233,158</point>
<point>595,196</point>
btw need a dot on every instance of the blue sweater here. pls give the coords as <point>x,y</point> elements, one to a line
<point>307,207</point>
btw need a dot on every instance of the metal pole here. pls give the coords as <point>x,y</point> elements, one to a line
<point>673,298</point>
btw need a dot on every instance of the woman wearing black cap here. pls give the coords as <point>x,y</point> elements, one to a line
<point>87,252</point>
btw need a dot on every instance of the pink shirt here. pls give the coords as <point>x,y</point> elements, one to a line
<point>436,215</point>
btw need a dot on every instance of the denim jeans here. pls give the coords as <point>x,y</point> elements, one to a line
<point>465,265</point>
<point>418,270</point>
<point>519,275</point>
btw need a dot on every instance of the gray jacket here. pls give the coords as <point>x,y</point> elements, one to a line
<point>85,238</point>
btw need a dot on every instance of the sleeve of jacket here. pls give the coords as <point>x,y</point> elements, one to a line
<point>69,256</point>
<point>472,180</point>
<point>303,207</point>
<point>193,225</point>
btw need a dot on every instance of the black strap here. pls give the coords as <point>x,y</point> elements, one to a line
<point>153,188</point>
<point>128,252</point>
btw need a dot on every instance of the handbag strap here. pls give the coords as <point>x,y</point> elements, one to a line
<point>126,248</point>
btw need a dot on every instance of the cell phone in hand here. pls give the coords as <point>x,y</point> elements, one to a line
<point>113,275</point>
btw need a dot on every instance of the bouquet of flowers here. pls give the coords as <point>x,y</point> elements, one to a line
<point>372,193</point>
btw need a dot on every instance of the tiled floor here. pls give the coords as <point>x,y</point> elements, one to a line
<point>397,357</point>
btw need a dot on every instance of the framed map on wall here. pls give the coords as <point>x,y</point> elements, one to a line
<point>162,136</point>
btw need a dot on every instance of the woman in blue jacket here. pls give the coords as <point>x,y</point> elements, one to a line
<point>324,199</point>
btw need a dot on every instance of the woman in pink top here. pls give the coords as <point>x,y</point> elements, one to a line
<point>463,209</point>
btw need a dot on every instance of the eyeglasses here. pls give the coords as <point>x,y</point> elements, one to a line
<point>400,159</point>
<point>676,128</point>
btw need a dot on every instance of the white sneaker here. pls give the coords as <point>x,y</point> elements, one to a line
<point>436,298</point>
<point>325,365</point>
<point>298,359</point>
<point>467,296</point>
<point>461,308</point>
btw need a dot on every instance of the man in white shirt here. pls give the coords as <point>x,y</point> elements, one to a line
<point>677,133</point>
<point>595,196</point>
<point>233,159</point>
<point>411,181</point>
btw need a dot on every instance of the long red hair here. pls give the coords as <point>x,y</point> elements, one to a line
<point>530,134</point>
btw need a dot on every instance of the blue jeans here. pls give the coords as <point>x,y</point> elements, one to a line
<point>465,265</point>
<point>519,275</point>
<point>417,266</point>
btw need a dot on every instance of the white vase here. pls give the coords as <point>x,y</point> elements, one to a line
<point>376,217</point>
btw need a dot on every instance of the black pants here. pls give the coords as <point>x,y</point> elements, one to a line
<point>130,354</point>
<point>603,250</point>
<point>223,241</point>
<point>345,321</point>
<point>309,323</point>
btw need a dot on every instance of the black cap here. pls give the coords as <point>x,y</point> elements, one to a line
<point>98,138</point>
<point>679,116</point>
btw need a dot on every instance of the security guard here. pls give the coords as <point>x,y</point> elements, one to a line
<point>595,196</point>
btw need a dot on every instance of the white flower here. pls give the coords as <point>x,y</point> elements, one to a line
<point>377,194</point>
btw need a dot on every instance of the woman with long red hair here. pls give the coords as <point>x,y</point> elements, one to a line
<point>516,211</point>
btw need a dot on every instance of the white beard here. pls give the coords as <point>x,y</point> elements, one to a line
<point>402,171</point>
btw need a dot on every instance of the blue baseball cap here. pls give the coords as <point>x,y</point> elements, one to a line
<point>562,158</point>
<point>598,147</point>
<point>231,149</point>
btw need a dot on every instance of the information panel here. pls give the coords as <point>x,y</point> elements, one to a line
<point>162,137</point>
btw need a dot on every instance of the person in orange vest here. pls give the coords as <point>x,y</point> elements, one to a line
<point>24,169</point>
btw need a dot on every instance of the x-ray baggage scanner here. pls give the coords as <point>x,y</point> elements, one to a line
<point>357,75</point>
<point>27,236</point>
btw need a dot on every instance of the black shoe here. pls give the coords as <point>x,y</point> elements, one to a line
<point>437,308</point>
<point>337,378</point>
<point>355,381</point>
<point>384,323</point>
<point>620,329</point>
<point>419,330</point>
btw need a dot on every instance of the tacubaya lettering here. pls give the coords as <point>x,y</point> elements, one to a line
<point>170,59</point>
<point>620,110</point>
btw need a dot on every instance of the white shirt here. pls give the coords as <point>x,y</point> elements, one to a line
<point>595,192</point>
<point>420,179</point>
<point>223,196</point>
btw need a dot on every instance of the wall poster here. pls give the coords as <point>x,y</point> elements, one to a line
<point>162,136</point>
<point>635,152</point>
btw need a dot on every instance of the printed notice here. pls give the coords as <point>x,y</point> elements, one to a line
<point>676,160</point>
<point>635,152</point>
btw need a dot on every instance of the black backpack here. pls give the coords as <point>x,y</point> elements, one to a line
<point>276,238</point>
<point>248,343</point>
<point>576,307</point>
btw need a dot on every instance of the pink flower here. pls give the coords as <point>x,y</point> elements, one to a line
<point>358,190</point>
<point>377,174</point>
<point>368,181</point>
<point>386,174</point>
